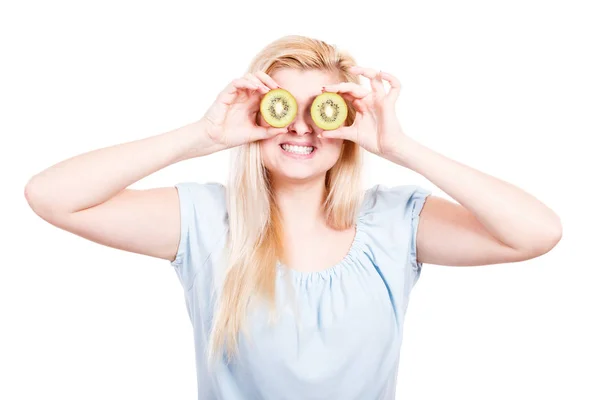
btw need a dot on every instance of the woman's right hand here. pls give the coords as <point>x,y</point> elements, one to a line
<point>232,119</point>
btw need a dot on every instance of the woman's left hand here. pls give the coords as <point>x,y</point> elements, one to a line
<point>376,127</point>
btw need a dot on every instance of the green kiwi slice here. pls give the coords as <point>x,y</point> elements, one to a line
<point>278,107</point>
<point>329,111</point>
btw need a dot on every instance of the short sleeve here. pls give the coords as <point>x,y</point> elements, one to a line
<point>203,226</point>
<point>393,215</point>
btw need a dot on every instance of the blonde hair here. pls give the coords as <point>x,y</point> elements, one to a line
<point>254,245</point>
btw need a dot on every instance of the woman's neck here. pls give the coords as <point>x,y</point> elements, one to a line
<point>301,203</point>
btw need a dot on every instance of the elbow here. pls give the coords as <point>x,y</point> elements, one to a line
<point>553,239</point>
<point>547,241</point>
<point>35,199</point>
<point>540,244</point>
<point>549,235</point>
<point>32,198</point>
<point>555,233</point>
<point>29,193</point>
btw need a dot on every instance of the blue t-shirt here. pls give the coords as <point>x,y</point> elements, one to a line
<point>343,338</point>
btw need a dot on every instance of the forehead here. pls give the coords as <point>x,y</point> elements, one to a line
<point>303,84</point>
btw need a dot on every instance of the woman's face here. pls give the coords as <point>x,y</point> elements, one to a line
<point>304,86</point>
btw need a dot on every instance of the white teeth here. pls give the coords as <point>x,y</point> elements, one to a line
<point>297,149</point>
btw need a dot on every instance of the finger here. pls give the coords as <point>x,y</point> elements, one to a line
<point>245,84</point>
<point>343,132</point>
<point>355,69</point>
<point>228,94</point>
<point>366,72</point>
<point>374,77</point>
<point>357,103</point>
<point>394,85</point>
<point>262,87</point>
<point>267,80</point>
<point>262,132</point>
<point>348,98</point>
<point>246,87</point>
<point>351,88</point>
<point>272,131</point>
<point>360,106</point>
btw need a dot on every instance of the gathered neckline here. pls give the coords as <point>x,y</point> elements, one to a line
<point>331,270</point>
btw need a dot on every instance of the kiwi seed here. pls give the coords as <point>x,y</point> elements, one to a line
<point>329,111</point>
<point>278,107</point>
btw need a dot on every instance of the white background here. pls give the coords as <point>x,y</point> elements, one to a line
<point>508,87</point>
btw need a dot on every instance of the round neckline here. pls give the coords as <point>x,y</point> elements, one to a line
<point>333,269</point>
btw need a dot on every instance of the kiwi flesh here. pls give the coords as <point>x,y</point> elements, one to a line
<point>278,107</point>
<point>329,111</point>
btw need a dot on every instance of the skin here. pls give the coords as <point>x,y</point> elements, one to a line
<point>490,220</point>
<point>304,86</point>
<point>476,229</point>
<point>300,184</point>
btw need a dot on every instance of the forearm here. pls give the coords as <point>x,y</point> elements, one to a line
<point>511,215</point>
<point>92,178</point>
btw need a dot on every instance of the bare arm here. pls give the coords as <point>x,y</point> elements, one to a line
<point>88,196</point>
<point>492,221</point>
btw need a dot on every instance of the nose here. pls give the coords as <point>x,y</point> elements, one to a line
<point>300,125</point>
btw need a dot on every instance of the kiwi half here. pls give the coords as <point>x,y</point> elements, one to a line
<point>329,111</point>
<point>278,107</point>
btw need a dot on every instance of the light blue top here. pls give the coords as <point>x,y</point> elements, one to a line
<point>345,344</point>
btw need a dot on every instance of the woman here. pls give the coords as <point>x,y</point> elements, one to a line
<point>296,280</point>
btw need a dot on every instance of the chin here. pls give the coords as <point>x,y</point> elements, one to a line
<point>297,175</point>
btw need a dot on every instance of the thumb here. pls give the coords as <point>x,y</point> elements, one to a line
<point>339,133</point>
<point>261,132</point>
<point>272,131</point>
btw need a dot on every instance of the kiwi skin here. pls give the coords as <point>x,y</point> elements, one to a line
<point>335,100</point>
<point>265,108</point>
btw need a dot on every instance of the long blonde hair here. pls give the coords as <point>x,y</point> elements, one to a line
<point>254,245</point>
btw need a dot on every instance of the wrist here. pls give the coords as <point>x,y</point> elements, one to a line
<point>404,153</point>
<point>195,141</point>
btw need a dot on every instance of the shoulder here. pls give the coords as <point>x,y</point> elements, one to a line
<point>204,222</point>
<point>382,201</point>
<point>208,191</point>
<point>390,218</point>
<point>203,208</point>
<point>202,200</point>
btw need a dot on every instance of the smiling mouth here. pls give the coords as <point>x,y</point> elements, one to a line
<point>301,150</point>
